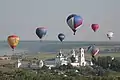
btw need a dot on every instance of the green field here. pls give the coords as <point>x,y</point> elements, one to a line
<point>44,56</point>
<point>41,56</point>
<point>110,54</point>
<point>7,61</point>
<point>88,56</point>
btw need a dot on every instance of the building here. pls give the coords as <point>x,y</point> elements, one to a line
<point>32,65</point>
<point>5,58</point>
<point>50,63</point>
<point>75,59</point>
<point>79,59</point>
<point>82,57</point>
<point>60,59</point>
<point>89,63</point>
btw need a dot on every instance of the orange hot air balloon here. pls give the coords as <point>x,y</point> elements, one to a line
<point>13,41</point>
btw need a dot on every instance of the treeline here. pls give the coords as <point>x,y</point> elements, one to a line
<point>112,50</point>
<point>49,75</point>
<point>108,62</point>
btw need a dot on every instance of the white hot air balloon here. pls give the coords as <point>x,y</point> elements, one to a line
<point>110,35</point>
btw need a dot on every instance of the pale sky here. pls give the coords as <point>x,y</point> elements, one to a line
<point>22,17</point>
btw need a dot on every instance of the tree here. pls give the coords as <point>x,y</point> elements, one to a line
<point>72,59</point>
<point>104,62</point>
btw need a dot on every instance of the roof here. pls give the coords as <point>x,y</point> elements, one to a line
<point>34,66</point>
<point>24,65</point>
<point>49,62</point>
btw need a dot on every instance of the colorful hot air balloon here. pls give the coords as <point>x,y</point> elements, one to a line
<point>13,41</point>
<point>110,35</point>
<point>95,27</point>
<point>61,37</point>
<point>74,22</point>
<point>41,32</point>
<point>94,51</point>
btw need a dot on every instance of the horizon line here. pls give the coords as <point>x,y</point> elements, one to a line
<point>65,41</point>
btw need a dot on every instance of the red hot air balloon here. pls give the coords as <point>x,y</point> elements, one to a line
<point>94,51</point>
<point>95,27</point>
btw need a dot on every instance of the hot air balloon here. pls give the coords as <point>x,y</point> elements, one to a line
<point>90,47</point>
<point>110,35</point>
<point>61,37</point>
<point>94,51</point>
<point>74,22</point>
<point>95,27</point>
<point>13,41</point>
<point>41,32</point>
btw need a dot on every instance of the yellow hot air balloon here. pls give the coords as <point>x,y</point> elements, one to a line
<point>13,41</point>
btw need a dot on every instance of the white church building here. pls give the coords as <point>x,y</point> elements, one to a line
<point>79,58</point>
<point>61,59</point>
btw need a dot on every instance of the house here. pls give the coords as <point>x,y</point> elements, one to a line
<point>61,59</point>
<point>5,58</point>
<point>49,63</point>
<point>32,65</point>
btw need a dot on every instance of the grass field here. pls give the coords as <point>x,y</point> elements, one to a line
<point>88,56</point>
<point>7,61</point>
<point>41,56</point>
<point>44,56</point>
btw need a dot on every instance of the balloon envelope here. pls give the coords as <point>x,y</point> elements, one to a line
<point>94,51</point>
<point>110,35</point>
<point>13,41</point>
<point>95,27</point>
<point>90,47</point>
<point>74,22</point>
<point>41,32</point>
<point>61,37</point>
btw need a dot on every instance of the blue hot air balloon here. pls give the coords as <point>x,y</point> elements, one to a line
<point>61,37</point>
<point>41,32</point>
<point>90,47</point>
<point>74,22</point>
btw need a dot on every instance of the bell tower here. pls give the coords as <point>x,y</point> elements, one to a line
<point>82,57</point>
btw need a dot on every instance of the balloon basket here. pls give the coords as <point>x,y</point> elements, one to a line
<point>13,52</point>
<point>40,40</point>
<point>74,34</point>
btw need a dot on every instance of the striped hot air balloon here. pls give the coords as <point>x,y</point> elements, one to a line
<point>74,22</point>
